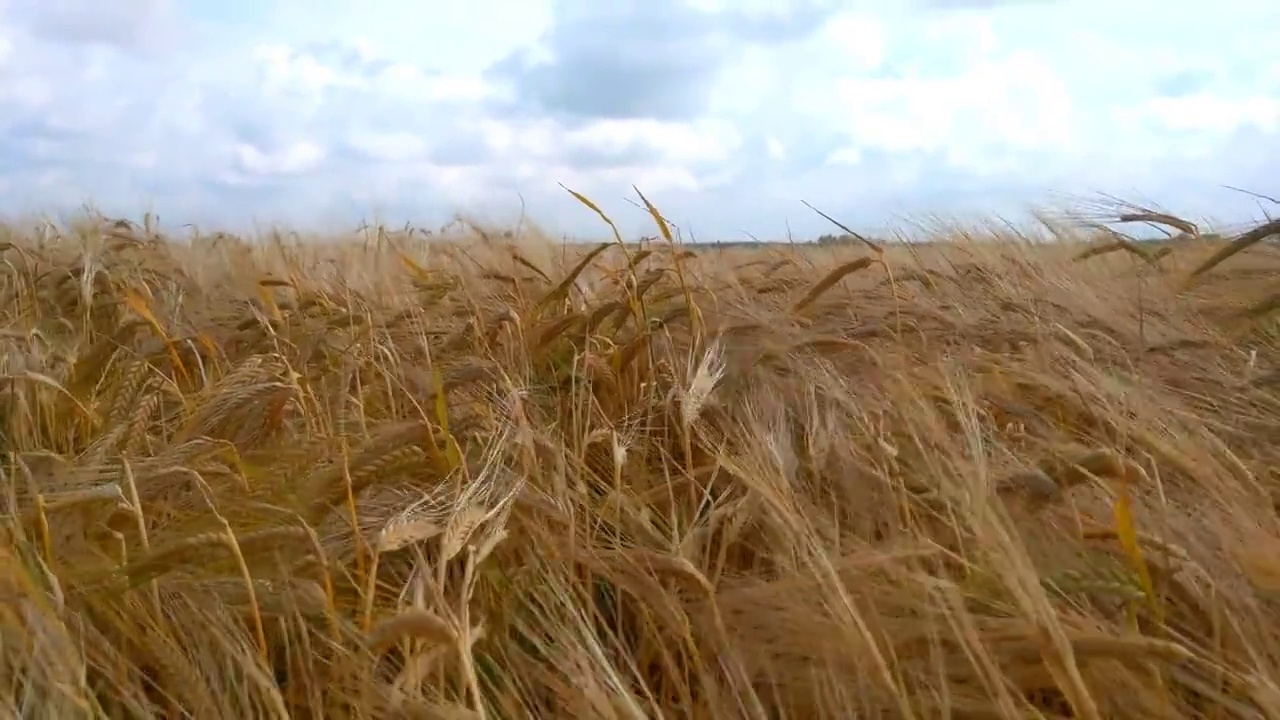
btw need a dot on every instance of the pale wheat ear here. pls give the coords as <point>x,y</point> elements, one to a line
<point>385,474</point>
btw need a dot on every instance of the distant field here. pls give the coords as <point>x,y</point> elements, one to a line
<point>478,478</point>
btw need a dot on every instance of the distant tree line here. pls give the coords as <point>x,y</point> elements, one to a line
<point>841,239</point>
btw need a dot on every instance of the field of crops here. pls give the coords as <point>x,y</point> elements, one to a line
<point>979,478</point>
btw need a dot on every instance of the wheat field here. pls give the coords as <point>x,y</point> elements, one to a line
<point>390,477</point>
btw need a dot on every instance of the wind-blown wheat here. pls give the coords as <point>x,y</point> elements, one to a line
<point>490,476</point>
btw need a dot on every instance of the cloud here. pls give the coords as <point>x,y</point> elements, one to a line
<point>641,58</point>
<point>973,4</point>
<point>134,26</point>
<point>725,114</point>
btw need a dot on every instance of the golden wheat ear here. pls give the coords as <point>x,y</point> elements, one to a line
<point>478,474</point>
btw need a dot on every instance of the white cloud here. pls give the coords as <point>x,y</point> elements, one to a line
<point>776,149</point>
<point>1212,114</point>
<point>292,159</point>
<point>390,146</point>
<point>132,25</point>
<point>694,142</point>
<point>1014,104</point>
<point>852,40</point>
<point>725,114</point>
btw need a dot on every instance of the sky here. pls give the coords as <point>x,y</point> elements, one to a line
<point>321,114</point>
